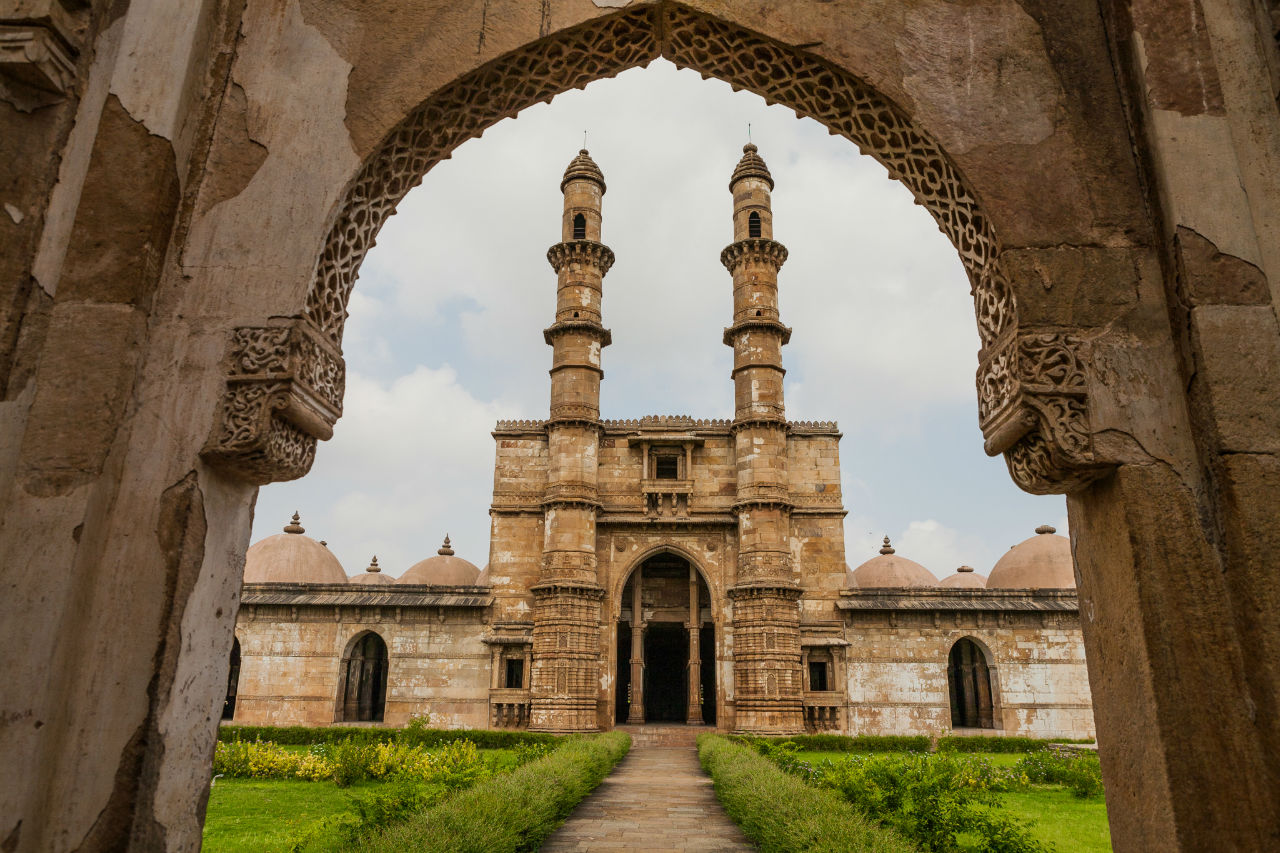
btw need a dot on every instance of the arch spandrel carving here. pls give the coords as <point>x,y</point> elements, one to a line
<point>1047,452</point>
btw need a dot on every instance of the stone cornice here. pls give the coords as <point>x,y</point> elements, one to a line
<point>764,323</point>
<point>581,252</point>
<point>936,598</point>
<point>756,249</point>
<point>359,595</point>
<point>588,327</point>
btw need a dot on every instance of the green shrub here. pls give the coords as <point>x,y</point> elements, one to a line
<point>1082,774</point>
<point>930,799</point>
<point>415,734</point>
<point>985,743</point>
<point>779,812</point>
<point>512,812</point>
<point>452,765</point>
<point>858,743</point>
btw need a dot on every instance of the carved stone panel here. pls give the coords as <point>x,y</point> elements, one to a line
<point>284,392</point>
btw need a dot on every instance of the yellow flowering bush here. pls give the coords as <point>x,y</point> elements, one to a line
<point>452,766</point>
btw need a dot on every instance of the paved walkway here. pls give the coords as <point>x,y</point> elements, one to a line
<point>656,799</point>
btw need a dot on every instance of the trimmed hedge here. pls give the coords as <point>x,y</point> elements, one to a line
<point>984,743</point>
<point>512,812</point>
<point>858,743</point>
<point>782,814</point>
<point>410,736</point>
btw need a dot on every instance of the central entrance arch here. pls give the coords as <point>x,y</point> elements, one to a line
<point>666,645</point>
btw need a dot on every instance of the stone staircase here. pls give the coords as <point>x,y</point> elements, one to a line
<point>672,734</point>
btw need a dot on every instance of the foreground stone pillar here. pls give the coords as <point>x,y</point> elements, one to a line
<point>635,711</point>
<point>695,652</point>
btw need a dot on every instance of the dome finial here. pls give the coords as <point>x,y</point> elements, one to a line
<point>583,168</point>
<point>886,548</point>
<point>294,526</point>
<point>373,565</point>
<point>751,166</point>
<point>445,550</point>
<point>965,569</point>
<point>1046,528</point>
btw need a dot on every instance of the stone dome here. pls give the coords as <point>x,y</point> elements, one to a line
<point>444,569</point>
<point>373,575</point>
<point>290,557</point>
<point>751,166</point>
<point>581,168</point>
<point>1041,562</point>
<point>964,578</point>
<point>890,570</point>
<point>483,578</point>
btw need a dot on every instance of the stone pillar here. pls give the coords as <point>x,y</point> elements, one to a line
<point>635,711</point>
<point>564,692</point>
<point>766,614</point>
<point>695,652</point>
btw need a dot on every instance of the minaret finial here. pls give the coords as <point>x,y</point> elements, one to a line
<point>445,550</point>
<point>886,548</point>
<point>294,526</point>
<point>584,140</point>
<point>373,565</point>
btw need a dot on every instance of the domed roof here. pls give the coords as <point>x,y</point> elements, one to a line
<point>444,569</point>
<point>751,166</point>
<point>1041,562</point>
<point>483,578</point>
<point>373,575</point>
<point>890,570</point>
<point>583,168</point>
<point>964,578</point>
<point>290,557</point>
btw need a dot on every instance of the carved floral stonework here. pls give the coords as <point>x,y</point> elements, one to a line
<point>284,392</point>
<point>779,73</point>
<point>1033,407</point>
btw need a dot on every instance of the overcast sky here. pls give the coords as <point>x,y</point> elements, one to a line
<point>445,332</point>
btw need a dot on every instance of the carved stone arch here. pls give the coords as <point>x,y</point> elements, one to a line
<point>620,583</point>
<point>285,380</point>
<point>974,696</point>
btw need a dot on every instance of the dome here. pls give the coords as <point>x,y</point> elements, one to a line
<point>583,168</point>
<point>483,579</point>
<point>890,570</point>
<point>1041,562</point>
<point>751,166</point>
<point>290,557</point>
<point>444,569</point>
<point>373,575</point>
<point>964,578</point>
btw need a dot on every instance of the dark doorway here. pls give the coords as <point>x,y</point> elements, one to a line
<point>969,683</point>
<point>364,681</point>
<point>233,681</point>
<point>622,697</point>
<point>707,652</point>
<point>666,668</point>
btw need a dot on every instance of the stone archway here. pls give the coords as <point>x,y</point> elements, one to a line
<point>1125,156</point>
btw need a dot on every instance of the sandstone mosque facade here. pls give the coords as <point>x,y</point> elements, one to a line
<point>665,569</point>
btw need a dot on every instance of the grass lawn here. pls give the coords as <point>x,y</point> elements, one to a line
<point>252,815</point>
<point>260,815</point>
<point>1057,816</point>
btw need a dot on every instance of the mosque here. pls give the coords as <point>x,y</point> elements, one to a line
<point>664,569</point>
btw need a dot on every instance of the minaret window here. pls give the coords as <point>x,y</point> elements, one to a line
<point>753,225</point>
<point>667,467</point>
<point>579,227</point>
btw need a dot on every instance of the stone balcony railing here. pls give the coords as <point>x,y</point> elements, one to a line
<point>509,708</point>
<point>822,711</point>
<point>666,497</point>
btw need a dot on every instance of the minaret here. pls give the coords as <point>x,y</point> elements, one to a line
<point>564,687</point>
<point>767,675</point>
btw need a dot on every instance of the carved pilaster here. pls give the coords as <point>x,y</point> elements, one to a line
<point>1033,407</point>
<point>284,392</point>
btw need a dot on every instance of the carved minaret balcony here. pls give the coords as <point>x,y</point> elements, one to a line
<point>566,630</point>
<point>768,679</point>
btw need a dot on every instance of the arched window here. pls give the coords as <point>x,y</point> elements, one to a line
<point>579,227</point>
<point>969,683</point>
<point>753,225</point>
<point>364,680</point>
<point>233,680</point>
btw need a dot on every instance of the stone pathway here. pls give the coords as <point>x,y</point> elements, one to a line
<point>656,799</point>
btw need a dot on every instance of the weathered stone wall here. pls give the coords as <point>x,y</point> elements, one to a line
<point>897,672</point>
<point>290,663</point>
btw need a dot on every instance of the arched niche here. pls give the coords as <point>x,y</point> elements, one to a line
<point>972,685</point>
<point>362,680</point>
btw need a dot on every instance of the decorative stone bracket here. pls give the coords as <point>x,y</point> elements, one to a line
<point>39,43</point>
<point>284,392</point>
<point>1033,408</point>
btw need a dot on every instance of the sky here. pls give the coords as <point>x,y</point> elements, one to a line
<point>445,330</point>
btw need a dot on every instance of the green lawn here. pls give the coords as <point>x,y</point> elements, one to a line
<point>1057,816</point>
<point>260,816</point>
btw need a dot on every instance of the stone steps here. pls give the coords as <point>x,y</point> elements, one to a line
<point>672,734</point>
